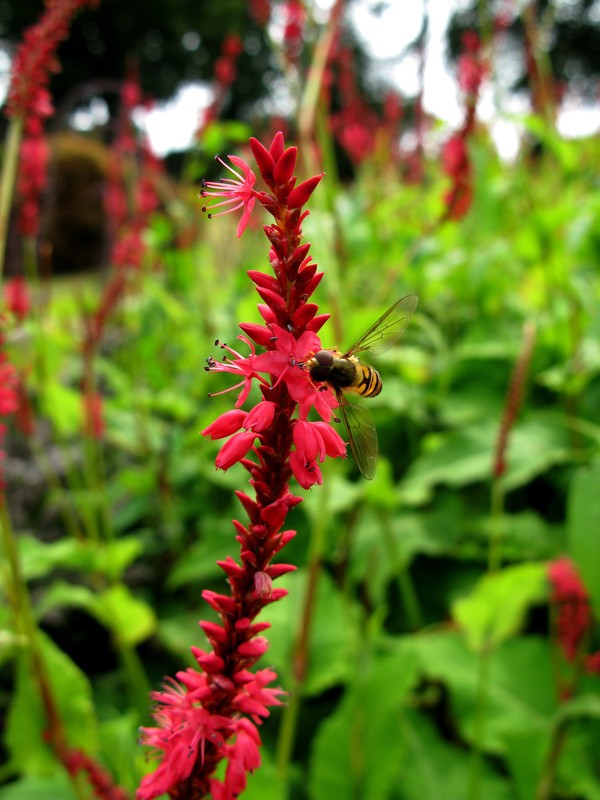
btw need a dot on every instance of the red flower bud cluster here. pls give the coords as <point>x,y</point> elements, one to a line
<point>573,614</point>
<point>211,713</point>
<point>9,399</point>
<point>35,60</point>
<point>355,123</point>
<point>101,784</point>
<point>455,153</point>
<point>225,72</point>
<point>29,99</point>
<point>294,19</point>
<point>16,297</point>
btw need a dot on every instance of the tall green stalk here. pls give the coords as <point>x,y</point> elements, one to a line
<point>8,174</point>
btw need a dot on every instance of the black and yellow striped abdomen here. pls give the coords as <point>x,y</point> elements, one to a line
<point>367,381</point>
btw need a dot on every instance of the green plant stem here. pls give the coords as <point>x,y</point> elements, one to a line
<point>10,161</point>
<point>485,655</point>
<point>483,679</point>
<point>136,680</point>
<point>546,783</point>
<point>300,659</point>
<point>496,536</point>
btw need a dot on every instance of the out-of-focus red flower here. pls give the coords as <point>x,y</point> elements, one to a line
<point>16,297</point>
<point>9,404</point>
<point>260,10</point>
<point>93,406</point>
<point>455,153</point>
<point>455,157</point>
<point>76,761</point>
<point>35,60</point>
<point>570,597</point>
<point>31,180</point>
<point>9,401</point>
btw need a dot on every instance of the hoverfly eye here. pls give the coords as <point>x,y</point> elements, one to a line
<point>324,358</point>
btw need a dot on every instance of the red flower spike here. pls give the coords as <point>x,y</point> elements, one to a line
<point>277,570</point>
<point>266,313</point>
<point>570,597</point>
<point>232,569</point>
<point>264,159</point>
<point>317,323</point>
<point>301,194</point>
<point>16,296</point>
<point>277,146</point>
<point>250,507</point>
<point>304,314</point>
<point>226,424</point>
<point>258,333</point>
<point>234,449</point>
<point>213,631</point>
<point>284,169</point>
<point>263,280</point>
<point>312,284</point>
<point>210,713</point>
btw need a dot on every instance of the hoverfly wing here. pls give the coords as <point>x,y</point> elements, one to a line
<point>362,435</point>
<point>390,326</point>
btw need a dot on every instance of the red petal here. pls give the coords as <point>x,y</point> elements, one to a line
<point>303,191</point>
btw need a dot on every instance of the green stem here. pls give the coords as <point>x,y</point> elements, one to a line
<point>136,680</point>
<point>289,723</point>
<point>497,534</point>
<point>8,174</point>
<point>483,677</point>
<point>544,790</point>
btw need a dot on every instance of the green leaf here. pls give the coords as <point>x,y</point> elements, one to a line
<point>129,618</point>
<point>462,457</point>
<point>520,691</point>
<point>349,757</point>
<point>111,559</point>
<point>265,783</point>
<point>121,752</point>
<point>27,721</point>
<point>49,787</point>
<point>63,405</point>
<point>496,609</point>
<point>525,751</point>
<point>436,770</point>
<point>583,527</point>
<point>39,558</point>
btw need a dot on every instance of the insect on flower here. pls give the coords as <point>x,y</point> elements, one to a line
<point>345,373</point>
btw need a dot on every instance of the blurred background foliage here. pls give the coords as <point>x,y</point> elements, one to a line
<point>436,664</point>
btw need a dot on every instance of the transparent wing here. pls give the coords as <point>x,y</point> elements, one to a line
<point>388,329</point>
<point>361,435</point>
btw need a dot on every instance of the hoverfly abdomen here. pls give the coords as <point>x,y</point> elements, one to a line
<point>369,381</point>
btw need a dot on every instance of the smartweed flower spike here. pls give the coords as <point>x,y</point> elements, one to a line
<point>211,713</point>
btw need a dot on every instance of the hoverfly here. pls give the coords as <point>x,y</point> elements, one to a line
<point>345,373</point>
